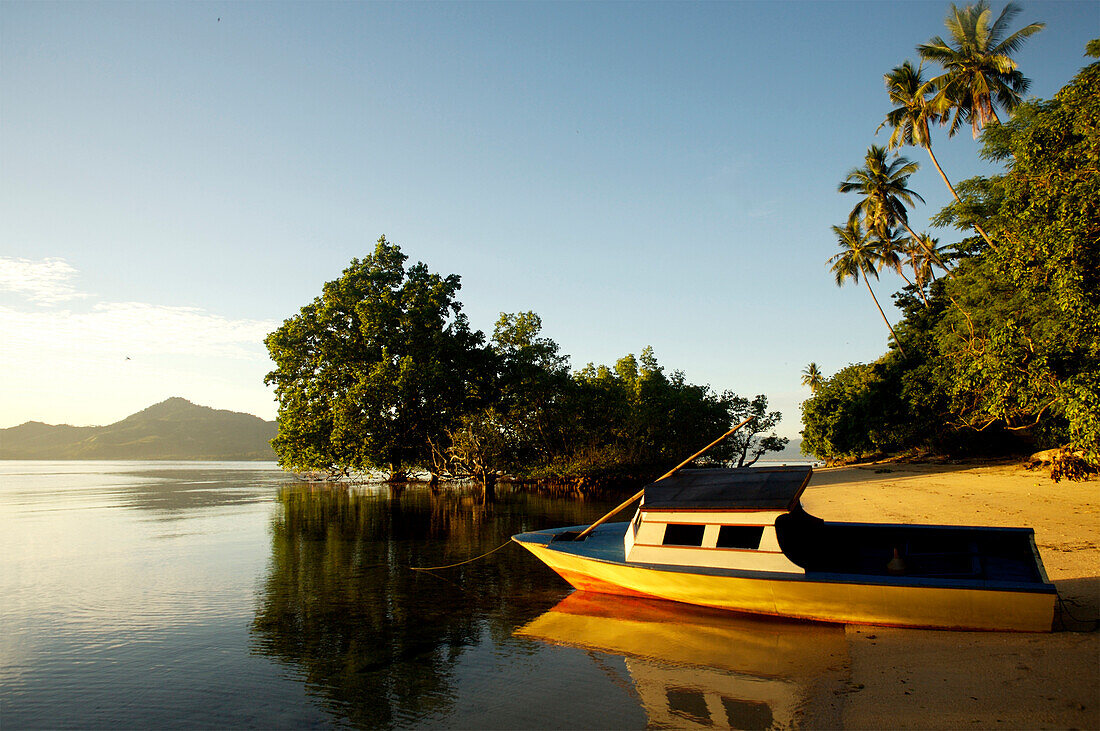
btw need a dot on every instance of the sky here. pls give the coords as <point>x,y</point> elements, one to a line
<point>176,179</point>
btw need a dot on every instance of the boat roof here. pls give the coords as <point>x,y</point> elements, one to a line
<point>721,488</point>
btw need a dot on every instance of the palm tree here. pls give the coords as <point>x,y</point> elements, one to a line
<point>812,377</point>
<point>859,255</point>
<point>914,113</point>
<point>923,264</point>
<point>891,248</point>
<point>911,118</point>
<point>979,73</point>
<point>882,185</point>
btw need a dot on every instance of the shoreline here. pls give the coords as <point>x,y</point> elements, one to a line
<point>934,679</point>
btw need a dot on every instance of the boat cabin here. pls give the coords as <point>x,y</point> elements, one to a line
<point>752,520</point>
<point>717,517</point>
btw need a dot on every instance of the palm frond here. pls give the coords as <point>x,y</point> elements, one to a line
<point>979,73</point>
<point>997,30</point>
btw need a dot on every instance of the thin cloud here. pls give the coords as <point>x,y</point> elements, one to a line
<point>130,329</point>
<point>45,281</point>
<point>99,361</point>
<point>112,329</point>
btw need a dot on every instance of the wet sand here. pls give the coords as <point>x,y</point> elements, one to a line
<point>930,679</point>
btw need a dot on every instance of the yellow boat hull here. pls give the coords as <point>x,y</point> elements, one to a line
<point>804,598</point>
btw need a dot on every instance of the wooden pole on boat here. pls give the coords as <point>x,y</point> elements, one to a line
<point>584,533</point>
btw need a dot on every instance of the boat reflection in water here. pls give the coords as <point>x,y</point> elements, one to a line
<point>699,668</point>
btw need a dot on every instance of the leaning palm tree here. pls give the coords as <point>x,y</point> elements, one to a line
<point>922,264</point>
<point>891,249</point>
<point>859,256</point>
<point>812,377</point>
<point>979,73</point>
<point>911,118</point>
<point>881,184</point>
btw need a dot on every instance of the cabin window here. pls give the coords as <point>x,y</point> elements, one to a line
<point>748,714</point>
<point>688,703</point>
<point>740,536</point>
<point>680,534</point>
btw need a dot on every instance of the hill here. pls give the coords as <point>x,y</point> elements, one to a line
<point>172,429</point>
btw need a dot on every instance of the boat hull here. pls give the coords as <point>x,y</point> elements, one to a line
<point>846,599</point>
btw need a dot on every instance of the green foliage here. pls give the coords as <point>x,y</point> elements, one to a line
<point>910,119</point>
<point>882,187</point>
<point>1007,349</point>
<point>749,444</point>
<point>812,377</point>
<point>521,421</point>
<point>382,371</point>
<point>979,73</point>
<point>636,414</point>
<point>634,418</point>
<point>1032,352</point>
<point>375,369</point>
<point>860,254</point>
<point>836,417</point>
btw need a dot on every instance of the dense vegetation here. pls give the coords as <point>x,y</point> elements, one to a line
<point>383,372</point>
<point>1002,350</point>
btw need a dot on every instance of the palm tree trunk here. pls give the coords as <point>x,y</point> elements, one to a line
<point>920,285</point>
<point>920,289</point>
<point>898,342</point>
<point>950,187</point>
<point>920,242</point>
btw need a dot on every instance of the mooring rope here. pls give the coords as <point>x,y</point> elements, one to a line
<point>460,563</point>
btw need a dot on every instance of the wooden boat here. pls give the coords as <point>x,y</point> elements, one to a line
<point>739,539</point>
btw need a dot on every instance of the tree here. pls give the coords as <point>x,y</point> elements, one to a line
<point>923,257</point>
<point>979,72</point>
<point>482,446</point>
<point>635,421</point>
<point>881,184</point>
<point>858,257</point>
<point>1031,360</point>
<point>374,369</point>
<point>1013,362</point>
<point>532,378</point>
<point>639,415</point>
<point>812,377</point>
<point>914,112</point>
<point>747,444</point>
<point>894,252</point>
<point>911,118</point>
<point>520,425</point>
<point>837,417</point>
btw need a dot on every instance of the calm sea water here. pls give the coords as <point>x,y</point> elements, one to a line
<point>168,595</point>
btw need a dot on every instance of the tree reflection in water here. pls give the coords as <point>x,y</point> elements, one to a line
<point>377,641</point>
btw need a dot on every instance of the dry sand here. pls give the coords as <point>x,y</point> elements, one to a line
<point>930,679</point>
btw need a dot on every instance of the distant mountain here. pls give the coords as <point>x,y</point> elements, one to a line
<point>172,429</point>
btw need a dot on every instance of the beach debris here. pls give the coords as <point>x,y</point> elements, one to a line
<point>1063,462</point>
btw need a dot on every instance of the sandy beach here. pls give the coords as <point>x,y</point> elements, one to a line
<point>930,679</point>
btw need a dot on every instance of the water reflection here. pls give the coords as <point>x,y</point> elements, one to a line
<point>378,642</point>
<point>170,492</point>
<point>696,668</point>
<point>167,490</point>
